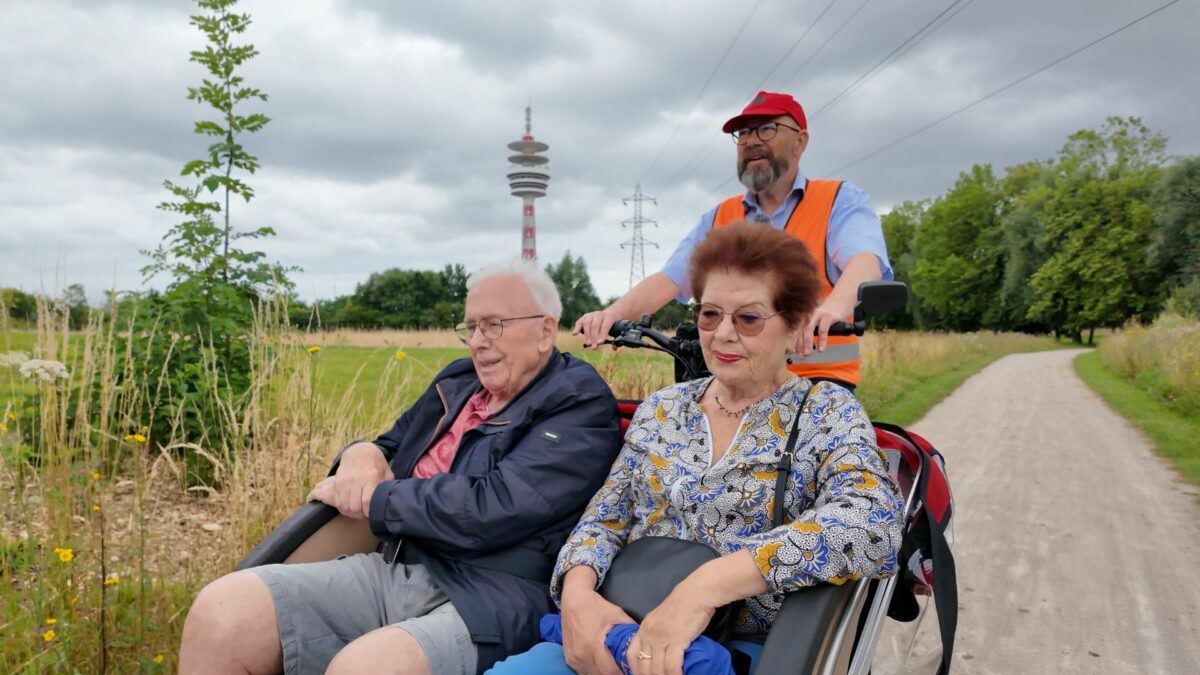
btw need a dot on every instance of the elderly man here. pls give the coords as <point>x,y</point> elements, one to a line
<point>833,217</point>
<point>471,493</point>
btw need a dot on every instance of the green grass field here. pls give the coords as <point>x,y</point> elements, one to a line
<point>1172,433</point>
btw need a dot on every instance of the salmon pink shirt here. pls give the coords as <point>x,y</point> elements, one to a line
<point>441,455</point>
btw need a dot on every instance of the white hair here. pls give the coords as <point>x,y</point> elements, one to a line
<point>541,286</point>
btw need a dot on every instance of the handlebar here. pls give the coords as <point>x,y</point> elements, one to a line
<point>874,298</point>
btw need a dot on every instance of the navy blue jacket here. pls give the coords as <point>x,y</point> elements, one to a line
<point>521,479</point>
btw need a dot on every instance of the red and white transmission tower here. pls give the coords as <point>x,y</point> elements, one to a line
<point>527,179</point>
<point>637,243</point>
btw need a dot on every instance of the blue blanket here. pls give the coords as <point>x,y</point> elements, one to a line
<point>704,656</point>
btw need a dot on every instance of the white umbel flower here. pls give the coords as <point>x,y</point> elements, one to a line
<point>44,370</point>
<point>13,359</point>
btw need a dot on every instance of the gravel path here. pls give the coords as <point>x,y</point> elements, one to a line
<point>1078,549</point>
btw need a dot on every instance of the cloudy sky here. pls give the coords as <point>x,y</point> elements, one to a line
<point>391,119</point>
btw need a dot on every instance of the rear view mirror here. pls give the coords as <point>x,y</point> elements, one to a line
<point>879,297</point>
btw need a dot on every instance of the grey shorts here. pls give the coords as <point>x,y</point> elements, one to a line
<point>322,607</point>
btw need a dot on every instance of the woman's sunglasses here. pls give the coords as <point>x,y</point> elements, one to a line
<point>747,321</point>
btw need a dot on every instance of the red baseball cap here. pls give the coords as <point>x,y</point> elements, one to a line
<point>769,104</point>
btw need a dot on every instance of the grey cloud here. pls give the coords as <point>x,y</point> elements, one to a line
<point>390,120</point>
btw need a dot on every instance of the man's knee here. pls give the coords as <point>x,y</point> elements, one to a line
<point>385,650</point>
<point>232,620</point>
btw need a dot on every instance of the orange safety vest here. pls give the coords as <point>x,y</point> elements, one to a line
<point>809,223</point>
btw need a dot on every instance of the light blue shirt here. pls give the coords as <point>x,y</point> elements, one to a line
<point>853,228</point>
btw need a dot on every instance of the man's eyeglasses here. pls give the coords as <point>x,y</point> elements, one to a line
<point>765,132</point>
<point>747,321</point>
<point>492,327</point>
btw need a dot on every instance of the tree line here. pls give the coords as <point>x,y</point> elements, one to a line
<point>1105,232</point>
<point>400,298</point>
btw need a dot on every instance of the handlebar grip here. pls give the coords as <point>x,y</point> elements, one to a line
<point>847,327</point>
<point>620,326</point>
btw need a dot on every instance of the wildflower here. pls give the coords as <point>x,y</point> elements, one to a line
<point>13,359</point>
<point>3,428</point>
<point>136,438</point>
<point>51,621</point>
<point>44,370</point>
<point>95,475</point>
<point>12,416</point>
<point>48,635</point>
<point>112,580</point>
<point>158,659</point>
<point>400,355</point>
<point>314,349</point>
<point>64,554</point>
<point>144,430</point>
<point>95,508</point>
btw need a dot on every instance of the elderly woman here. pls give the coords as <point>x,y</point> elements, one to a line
<point>699,463</point>
<point>472,493</point>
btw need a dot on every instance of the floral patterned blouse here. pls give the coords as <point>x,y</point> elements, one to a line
<point>841,508</point>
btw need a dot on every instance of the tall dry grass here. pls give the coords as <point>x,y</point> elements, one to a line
<point>102,546</point>
<point>1163,359</point>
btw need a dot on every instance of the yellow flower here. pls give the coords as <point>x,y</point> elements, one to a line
<point>314,349</point>
<point>400,355</point>
<point>95,475</point>
<point>64,554</point>
<point>48,635</point>
<point>112,581</point>
<point>158,659</point>
<point>51,621</point>
<point>95,508</point>
<point>765,556</point>
<point>806,527</point>
<point>3,428</point>
<point>12,417</point>
<point>136,438</point>
<point>144,430</point>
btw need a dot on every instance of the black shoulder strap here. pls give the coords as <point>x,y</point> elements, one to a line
<point>784,468</point>
<point>945,577</point>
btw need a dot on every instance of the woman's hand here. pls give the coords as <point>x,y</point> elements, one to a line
<point>361,469</point>
<point>586,619</point>
<point>667,632</point>
<point>672,626</point>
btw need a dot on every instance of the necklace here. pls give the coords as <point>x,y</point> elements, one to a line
<point>727,411</point>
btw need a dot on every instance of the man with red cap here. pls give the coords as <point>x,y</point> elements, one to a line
<point>833,217</point>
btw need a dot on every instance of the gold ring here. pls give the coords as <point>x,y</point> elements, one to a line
<point>643,656</point>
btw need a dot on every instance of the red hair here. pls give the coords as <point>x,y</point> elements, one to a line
<point>759,250</point>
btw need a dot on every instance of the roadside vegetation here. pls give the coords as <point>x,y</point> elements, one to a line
<point>1151,376</point>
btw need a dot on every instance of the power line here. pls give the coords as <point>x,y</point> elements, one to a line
<point>795,44</point>
<point>703,89</point>
<point>903,51</point>
<point>1006,87</point>
<point>845,92</point>
<point>822,46</point>
<point>696,158</point>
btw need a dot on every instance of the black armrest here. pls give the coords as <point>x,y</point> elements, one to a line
<point>313,532</point>
<point>288,536</point>
<point>803,629</point>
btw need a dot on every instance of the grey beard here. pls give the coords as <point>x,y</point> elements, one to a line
<point>758,180</point>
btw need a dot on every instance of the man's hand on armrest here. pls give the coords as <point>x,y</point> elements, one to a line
<point>362,468</point>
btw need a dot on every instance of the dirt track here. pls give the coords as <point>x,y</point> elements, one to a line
<point>1078,549</point>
